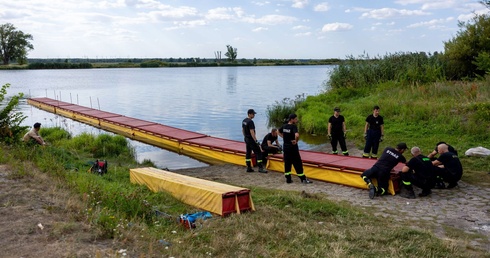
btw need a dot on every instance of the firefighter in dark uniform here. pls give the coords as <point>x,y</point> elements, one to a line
<point>337,132</point>
<point>268,146</point>
<point>290,136</point>
<point>419,171</point>
<point>382,168</point>
<point>433,156</point>
<point>448,166</point>
<point>248,130</point>
<point>434,153</point>
<point>373,133</point>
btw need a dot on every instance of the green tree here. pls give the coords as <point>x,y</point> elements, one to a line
<point>231,53</point>
<point>10,129</point>
<point>14,44</point>
<point>462,51</point>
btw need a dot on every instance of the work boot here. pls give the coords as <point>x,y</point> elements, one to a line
<point>407,193</point>
<point>346,153</point>
<point>249,166</point>
<point>452,185</point>
<point>262,170</point>
<point>440,185</point>
<point>372,191</point>
<point>365,155</point>
<point>288,179</point>
<point>425,193</point>
<point>306,181</point>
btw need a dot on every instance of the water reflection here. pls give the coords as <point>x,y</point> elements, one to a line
<point>231,81</point>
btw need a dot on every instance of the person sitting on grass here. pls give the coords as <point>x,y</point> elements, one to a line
<point>33,137</point>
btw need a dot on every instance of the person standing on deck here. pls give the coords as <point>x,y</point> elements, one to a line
<point>373,133</point>
<point>337,132</point>
<point>290,136</point>
<point>250,138</point>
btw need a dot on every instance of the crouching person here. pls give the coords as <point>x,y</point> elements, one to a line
<point>382,168</point>
<point>33,137</point>
<point>448,167</point>
<point>268,146</point>
<point>419,171</point>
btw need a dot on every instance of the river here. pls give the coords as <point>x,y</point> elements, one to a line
<point>209,100</point>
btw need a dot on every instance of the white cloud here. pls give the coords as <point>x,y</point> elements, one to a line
<point>336,27</point>
<point>305,34</point>
<point>431,4</point>
<point>174,13</point>
<point>261,3</point>
<point>300,27</point>
<point>273,19</point>
<point>260,29</point>
<point>432,24</point>
<point>322,7</point>
<point>436,5</point>
<point>471,13</point>
<point>408,2</point>
<point>300,3</point>
<point>223,13</point>
<point>385,13</point>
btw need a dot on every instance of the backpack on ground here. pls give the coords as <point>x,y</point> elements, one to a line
<point>99,167</point>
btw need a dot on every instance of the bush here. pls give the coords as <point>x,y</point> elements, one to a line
<point>464,53</point>
<point>279,111</point>
<point>11,130</point>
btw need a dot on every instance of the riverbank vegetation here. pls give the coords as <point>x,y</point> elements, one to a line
<point>420,101</point>
<point>144,223</point>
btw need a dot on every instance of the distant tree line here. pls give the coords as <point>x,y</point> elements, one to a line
<point>59,65</point>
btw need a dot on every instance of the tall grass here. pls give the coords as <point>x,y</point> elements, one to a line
<point>280,111</point>
<point>407,68</point>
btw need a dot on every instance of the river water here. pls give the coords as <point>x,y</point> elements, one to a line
<point>209,100</point>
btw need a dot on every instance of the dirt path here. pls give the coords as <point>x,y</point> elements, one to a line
<point>39,220</point>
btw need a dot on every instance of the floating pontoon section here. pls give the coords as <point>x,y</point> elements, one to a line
<point>326,167</point>
<point>211,196</point>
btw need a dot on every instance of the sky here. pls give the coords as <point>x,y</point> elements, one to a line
<point>277,29</point>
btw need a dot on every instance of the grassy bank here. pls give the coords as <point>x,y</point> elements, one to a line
<point>286,224</point>
<point>419,106</point>
<point>420,115</point>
